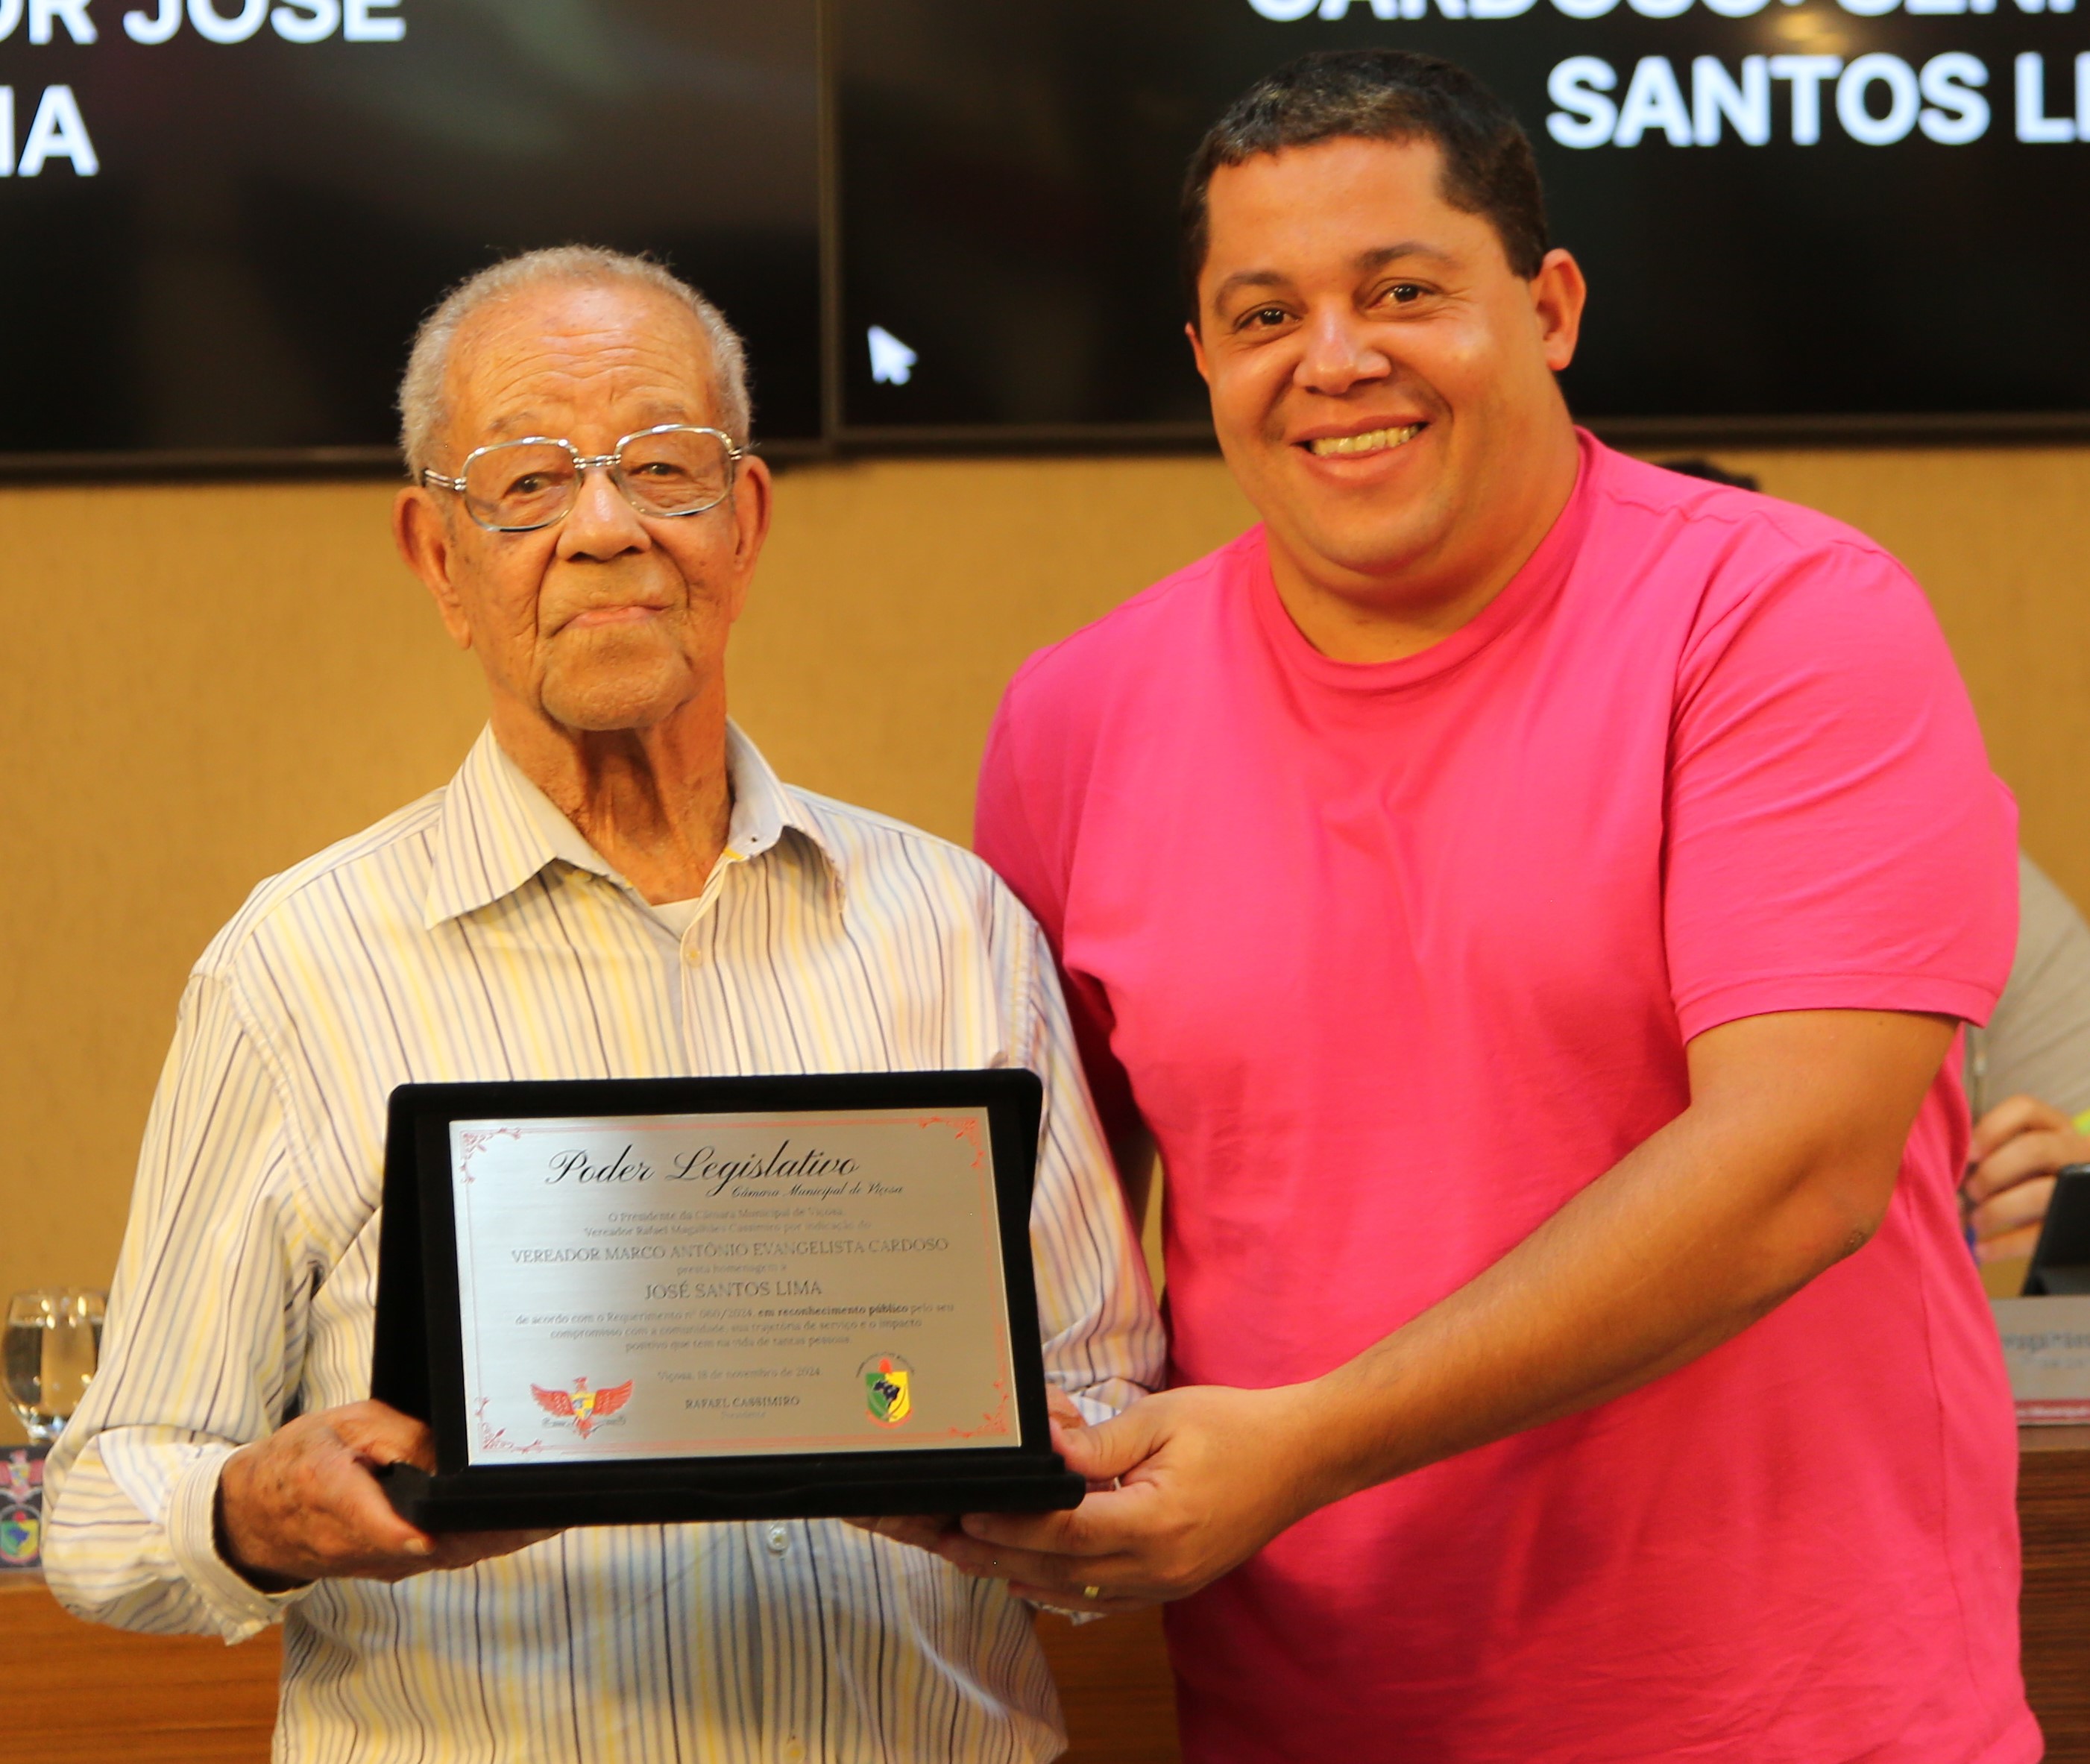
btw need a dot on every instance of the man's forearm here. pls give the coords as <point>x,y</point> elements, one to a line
<point>1697,1233</point>
<point>1785,1162</point>
<point>1628,1281</point>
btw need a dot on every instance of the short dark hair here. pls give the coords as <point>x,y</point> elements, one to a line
<point>1380,95</point>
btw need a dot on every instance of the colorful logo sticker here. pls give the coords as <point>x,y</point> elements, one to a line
<point>586,1408</point>
<point>20,1533</point>
<point>888,1384</point>
<point>22,1475</point>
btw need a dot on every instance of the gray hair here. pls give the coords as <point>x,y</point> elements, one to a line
<point>423,411</point>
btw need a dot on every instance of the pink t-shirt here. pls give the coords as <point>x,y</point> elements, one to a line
<point>1393,960</point>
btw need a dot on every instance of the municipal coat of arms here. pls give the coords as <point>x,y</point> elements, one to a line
<point>888,1383</point>
<point>584,1407</point>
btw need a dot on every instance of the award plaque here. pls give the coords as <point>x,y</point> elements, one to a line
<point>630,1301</point>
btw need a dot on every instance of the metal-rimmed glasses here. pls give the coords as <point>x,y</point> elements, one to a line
<point>519,486</point>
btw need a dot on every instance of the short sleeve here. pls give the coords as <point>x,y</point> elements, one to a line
<point>2038,1042</point>
<point>1835,839</point>
<point>1019,830</point>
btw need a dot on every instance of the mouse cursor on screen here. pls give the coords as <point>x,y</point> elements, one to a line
<point>892,361</point>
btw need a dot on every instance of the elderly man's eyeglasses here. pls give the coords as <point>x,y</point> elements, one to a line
<point>519,486</point>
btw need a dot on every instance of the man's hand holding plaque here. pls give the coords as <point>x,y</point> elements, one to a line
<point>304,1504</point>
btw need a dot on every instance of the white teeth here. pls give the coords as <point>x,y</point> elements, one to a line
<point>1374,442</point>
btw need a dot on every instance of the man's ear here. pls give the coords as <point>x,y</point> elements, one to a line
<point>1198,351</point>
<point>1558,296</point>
<point>421,533</point>
<point>752,494</point>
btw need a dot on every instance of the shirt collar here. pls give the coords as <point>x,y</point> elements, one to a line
<point>497,830</point>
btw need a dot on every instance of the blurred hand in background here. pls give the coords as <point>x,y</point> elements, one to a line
<point>2018,1145</point>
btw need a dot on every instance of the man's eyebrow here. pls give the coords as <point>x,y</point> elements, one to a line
<point>1377,258</point>
<point>516,423</point>
<point>1249,278</point>
<point>1383,255</point>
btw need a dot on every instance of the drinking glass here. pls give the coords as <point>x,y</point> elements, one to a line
<point>51,1346</point>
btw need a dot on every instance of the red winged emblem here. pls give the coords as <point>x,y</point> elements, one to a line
<point>586,1407</point>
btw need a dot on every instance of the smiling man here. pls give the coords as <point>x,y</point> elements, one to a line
<point>1528,896</point>
<point>614,885</point>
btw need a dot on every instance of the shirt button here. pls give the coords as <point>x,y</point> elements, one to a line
<point>778,1539</point>
<point>693,954</point>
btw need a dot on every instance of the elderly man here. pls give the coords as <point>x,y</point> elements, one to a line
<point>1529,897</point>
<point>614,885</point>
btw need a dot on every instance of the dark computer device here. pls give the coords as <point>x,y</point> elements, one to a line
<point>942,223</point>
<point>2060,1260</point>
<point>1836,212</point>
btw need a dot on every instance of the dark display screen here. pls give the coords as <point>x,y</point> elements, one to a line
<point>1831,209</point>
<point>221,220</point>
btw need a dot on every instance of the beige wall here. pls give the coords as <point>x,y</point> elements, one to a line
<point>203,685</point>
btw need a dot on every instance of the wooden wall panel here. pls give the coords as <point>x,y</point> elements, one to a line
<point>79,1693</point>
<point>2053,1510</point>
<point>1116,1687</point>
<point>207,684</point>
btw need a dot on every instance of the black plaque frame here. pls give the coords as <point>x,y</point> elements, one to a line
<point>417,1361</point>
<point>2060,1266</point>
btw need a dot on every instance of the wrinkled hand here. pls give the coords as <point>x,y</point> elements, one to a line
<point>2017,1146</point>
<point>1190,1503</point>
<point>302,1504</point>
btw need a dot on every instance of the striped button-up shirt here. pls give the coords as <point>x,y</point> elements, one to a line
<point>476,935</point>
